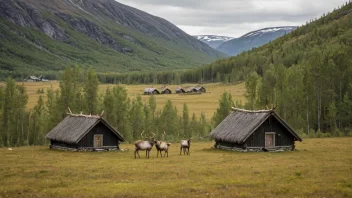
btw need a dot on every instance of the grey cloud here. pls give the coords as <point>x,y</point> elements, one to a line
<point>222,16</point>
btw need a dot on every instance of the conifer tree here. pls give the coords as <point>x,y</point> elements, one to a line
<point>70,88</point>
<point>91,91</point>
<point>38,119</point>
<point>251,88</point>
<point>193,127</point>
<point>224,109</point>
<point>137,117</point>
<point>203,126</point>
<point>51,108</point>
<point>185,121</point>
<point>148,120</point>
<point>109,108</point>
<point>168,120</point>
<point>21,99</point>
<point>152,105</point>
<point>122,110</point>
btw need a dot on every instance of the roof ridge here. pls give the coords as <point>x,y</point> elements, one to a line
<point>83,115</point>
<point>252,111</point>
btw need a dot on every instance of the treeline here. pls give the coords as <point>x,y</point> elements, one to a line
<point>314,96</point>
<point>79,91</point>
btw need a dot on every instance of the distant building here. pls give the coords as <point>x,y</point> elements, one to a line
<point>201,89</point>
<point>165,90</point>
<point>35,79</point>
<point>32,79</point>
<point>191,90</point>
<point>196,90</point>
<point>151,91</point>
<point>180,90</point>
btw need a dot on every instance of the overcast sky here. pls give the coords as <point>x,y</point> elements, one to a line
<point>234,17</point>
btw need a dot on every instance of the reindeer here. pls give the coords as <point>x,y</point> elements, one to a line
<point>185,144</point>
<point>162,146</point>
<point>146,145</point>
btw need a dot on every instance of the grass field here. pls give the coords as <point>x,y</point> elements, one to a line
<point>320,168</point>
<point>207,102</point>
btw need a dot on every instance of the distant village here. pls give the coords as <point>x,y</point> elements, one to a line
<point>178,90</point>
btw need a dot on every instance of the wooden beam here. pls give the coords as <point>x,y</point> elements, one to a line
<point>251,111</point>
<point>82,115</point>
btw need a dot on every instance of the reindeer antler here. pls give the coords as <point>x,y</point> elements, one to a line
<point>163,136</point>
<point>274,107</point>
<point>142,134</point>
<point>153,136</point>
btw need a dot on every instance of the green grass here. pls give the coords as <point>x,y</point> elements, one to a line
<point>320,168</point>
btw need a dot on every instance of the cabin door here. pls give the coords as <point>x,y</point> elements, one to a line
<point>269,140</point>
<point>98,141</point>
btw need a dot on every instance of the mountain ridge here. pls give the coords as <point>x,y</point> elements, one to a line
<point>105,34</point>
<point>254,39</point>
<point>213,41</point>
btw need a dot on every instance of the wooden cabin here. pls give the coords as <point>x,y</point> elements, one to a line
<point>262,130</point>
<point>180,90</point>
<point>191,90</point>
<point>35,79</point>
<point>200,89</point>
<point>84,132</point>
<point>151,91</point>
<point>196,90</point>
<point>32,79</point>
<point>165,90</point>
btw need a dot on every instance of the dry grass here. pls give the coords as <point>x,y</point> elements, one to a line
<point>207,102</point>
<point>321,168</point>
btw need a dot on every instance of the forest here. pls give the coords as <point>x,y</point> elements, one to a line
<point>78,90</point>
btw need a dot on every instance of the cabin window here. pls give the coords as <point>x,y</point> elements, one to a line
<point>269,139</point>
<point>98,141</point>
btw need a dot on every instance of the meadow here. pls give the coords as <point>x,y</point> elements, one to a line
<point>320,168</point>
<point>206,102</point>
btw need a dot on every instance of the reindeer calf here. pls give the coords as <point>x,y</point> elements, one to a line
<point>185,145</point>
<point>162,146</point>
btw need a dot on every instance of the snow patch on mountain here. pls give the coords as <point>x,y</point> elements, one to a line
<point>270,30</point>
<point>213,38</point>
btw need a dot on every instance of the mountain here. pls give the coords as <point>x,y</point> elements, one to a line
<point>329,36</point>
<point>254,39</point>
<point>49,35</point>
<point>213,40</point>
<point>306,75</point>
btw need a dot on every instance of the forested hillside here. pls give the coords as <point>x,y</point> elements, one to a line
<point>43,37</point>
<point>307,74</point>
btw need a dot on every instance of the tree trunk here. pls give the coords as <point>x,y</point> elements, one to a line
<point>319,106</point>
<point>307,113</point>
